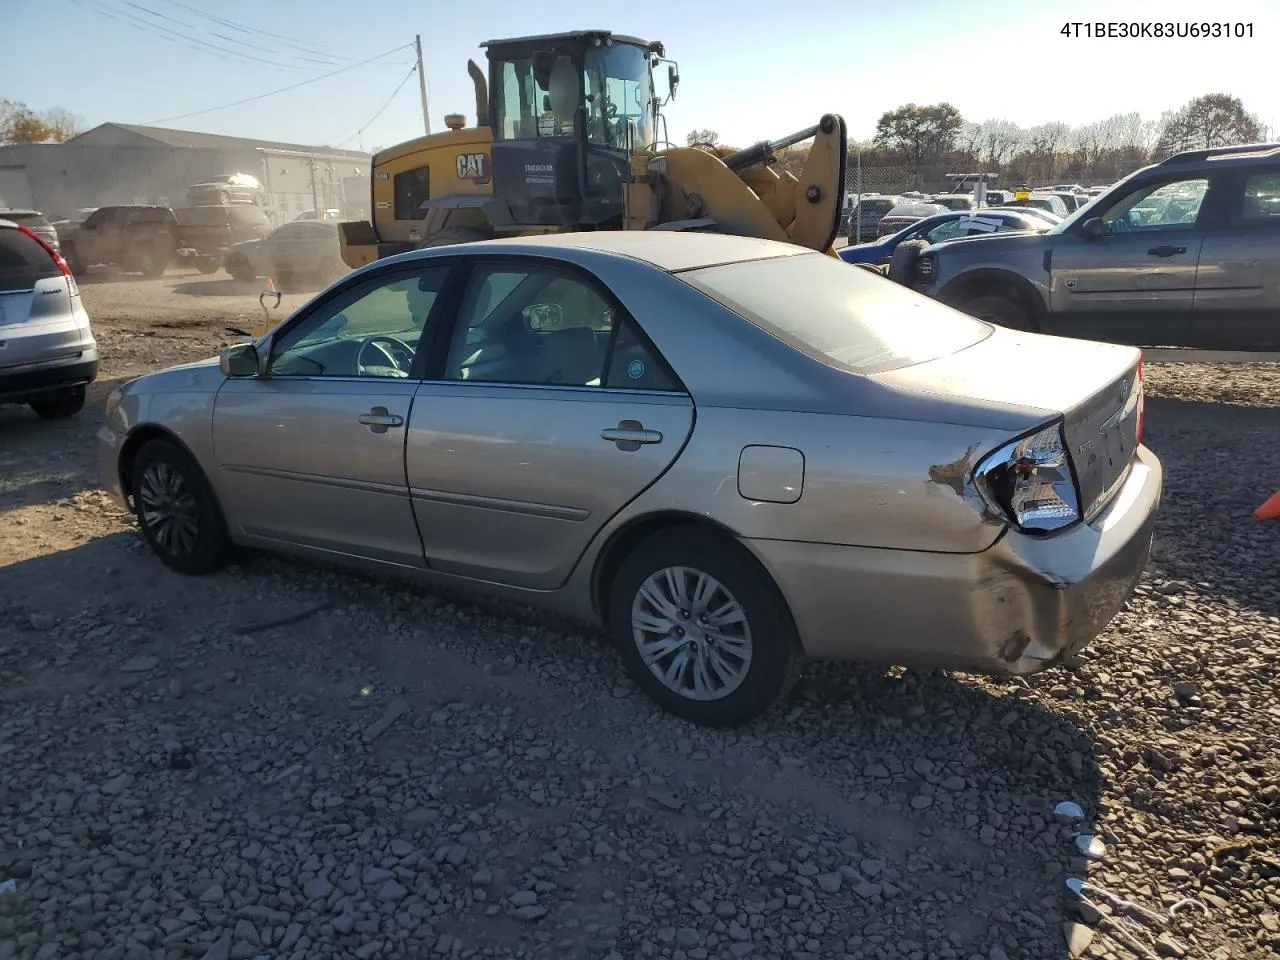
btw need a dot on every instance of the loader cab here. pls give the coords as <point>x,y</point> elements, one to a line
<point>567,111</point>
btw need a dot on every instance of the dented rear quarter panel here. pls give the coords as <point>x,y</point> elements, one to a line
<point>868,481</point>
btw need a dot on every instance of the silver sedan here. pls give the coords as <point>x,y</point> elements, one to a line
<point>733,453</point>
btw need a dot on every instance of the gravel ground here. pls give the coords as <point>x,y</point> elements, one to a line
<point>288,761</point>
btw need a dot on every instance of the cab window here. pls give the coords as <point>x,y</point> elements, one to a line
<point>412,189</point>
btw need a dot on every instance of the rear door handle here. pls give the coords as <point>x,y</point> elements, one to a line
<point>630,434</point>
<point>379,419</point>
<point>1166,251</point>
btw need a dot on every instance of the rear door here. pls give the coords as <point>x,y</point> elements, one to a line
<point>1237,299</point>
<point>547,411</point>
<point>1135,284</point>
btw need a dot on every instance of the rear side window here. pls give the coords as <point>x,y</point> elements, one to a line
<point>850,319</point>
<point>412,188</point>
<point>1261,206</point>
<point>23,261</point>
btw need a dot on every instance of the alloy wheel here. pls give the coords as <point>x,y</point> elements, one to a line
<point>691,633</point>
<point>167,509</point>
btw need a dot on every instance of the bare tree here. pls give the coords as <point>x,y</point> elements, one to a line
<point>704,139</point>
<point>1214,120</point>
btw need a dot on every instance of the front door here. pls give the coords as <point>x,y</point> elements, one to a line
<point>1237,304</point>
<point>312,452</point>
<point>1136,283</point>
<point>548,413</point>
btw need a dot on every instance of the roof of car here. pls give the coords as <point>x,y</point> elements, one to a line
<point>14,212</point>
<point>669,250</point>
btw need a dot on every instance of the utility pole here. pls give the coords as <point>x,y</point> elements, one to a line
<point>422,84</point>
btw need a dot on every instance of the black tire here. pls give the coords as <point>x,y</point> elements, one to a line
<point>207,266</point>
<point>55,406</point>
<point>999,310</point>
<point>147,261</point>
<point>72,256</point>
<point>770,635</point>
<point>902,265</point>
<point>156,492</point>
<point>240,270</point>
<point>452,235</point>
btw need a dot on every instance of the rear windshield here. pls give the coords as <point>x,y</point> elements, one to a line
<point>840,315</point>
<point>23,261</point>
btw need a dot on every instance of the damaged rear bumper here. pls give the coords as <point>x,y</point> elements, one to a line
<point>1020,606</point>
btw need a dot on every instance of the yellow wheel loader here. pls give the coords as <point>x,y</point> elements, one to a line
<point>567,138</point>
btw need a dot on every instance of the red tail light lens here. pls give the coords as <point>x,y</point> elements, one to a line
<point>57,257</point>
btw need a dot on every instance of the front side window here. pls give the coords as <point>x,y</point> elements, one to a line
<point>1260,205</point>
<point>372,330</point>
<point>533,324</point>
<point>1157,207</point>
<point>619,97</point>
<point>412,189</point>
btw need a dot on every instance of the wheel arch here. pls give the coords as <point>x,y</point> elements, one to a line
<point>994,281</point>
<point>627,537</point>
<point>139,437</point>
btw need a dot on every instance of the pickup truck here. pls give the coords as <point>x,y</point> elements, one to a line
<point>146,239</point>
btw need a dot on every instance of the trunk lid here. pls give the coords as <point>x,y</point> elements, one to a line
<point>1095,387</point>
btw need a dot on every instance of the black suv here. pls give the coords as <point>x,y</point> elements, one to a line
<point>1185,252</point>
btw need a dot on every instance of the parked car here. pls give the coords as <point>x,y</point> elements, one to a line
<point>207,234</point>
<point>1184,252</point>
<point>34,221</point>
<point>301,250</point>
<point>517,417</point>
<point>1045,201</point>
<point>955,201</point>
<point>1038,212</point>
<point>47,351</point>
<point>227,189</point>
<point>332,213</point>
<point>865,214</point>
<point>998,198</point>
<point>1071,200</point>
<point>138,237</point>
<point>905,214</point>
<point>943,226</point>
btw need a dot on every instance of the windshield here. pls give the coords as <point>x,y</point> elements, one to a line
<point>846,318</point>
<point>619,97</point>
<point>537,97</point>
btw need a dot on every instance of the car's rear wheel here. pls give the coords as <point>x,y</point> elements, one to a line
<point>63,403</point>
<point>148,261</point>
<point>999,310</point>
<point>177,510</point>
<point>240,270</point>
<point>207,266</point>
<point>74,261</point>
<point>703,629</point>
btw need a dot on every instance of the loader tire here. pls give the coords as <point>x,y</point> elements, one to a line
<point>452,235</point>
<point>902,266</point>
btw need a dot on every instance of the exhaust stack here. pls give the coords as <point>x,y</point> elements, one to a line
<point>482,93</point>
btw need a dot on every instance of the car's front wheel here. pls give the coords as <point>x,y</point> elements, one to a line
<point>177,510</point>
<point>1001,311</point>
<point>703,629</point>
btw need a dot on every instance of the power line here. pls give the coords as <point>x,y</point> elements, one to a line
<point>364,126</point>
<point>293,86</point>
<point>310,48</point>
<point>328,61</point>
<point>202,45</point>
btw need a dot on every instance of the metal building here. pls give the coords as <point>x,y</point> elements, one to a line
<point>127,163</point>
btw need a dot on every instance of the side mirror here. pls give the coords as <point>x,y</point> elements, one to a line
<point>239,360</point>
<point>673,81</point>
<point>1093,229</point>
<point>544,316</point>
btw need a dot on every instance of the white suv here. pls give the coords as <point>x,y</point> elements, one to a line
<point>47,351</point>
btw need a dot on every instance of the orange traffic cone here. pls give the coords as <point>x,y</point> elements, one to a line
<point>1270,510</point>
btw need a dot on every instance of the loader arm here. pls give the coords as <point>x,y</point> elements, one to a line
<point>740,193</point>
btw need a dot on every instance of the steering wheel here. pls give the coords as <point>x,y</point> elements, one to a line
<point>397,353</point>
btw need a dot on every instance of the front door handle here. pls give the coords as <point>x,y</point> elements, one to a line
<point>630,435</point>
<point>379,419</point>
<point>1166,251</point>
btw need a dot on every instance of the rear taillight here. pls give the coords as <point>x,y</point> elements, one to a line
<point>1029,482</point>
<point>57,257</point>
<point>1142,404</point>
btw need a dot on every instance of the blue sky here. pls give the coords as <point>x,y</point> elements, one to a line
<point>751,70</point>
